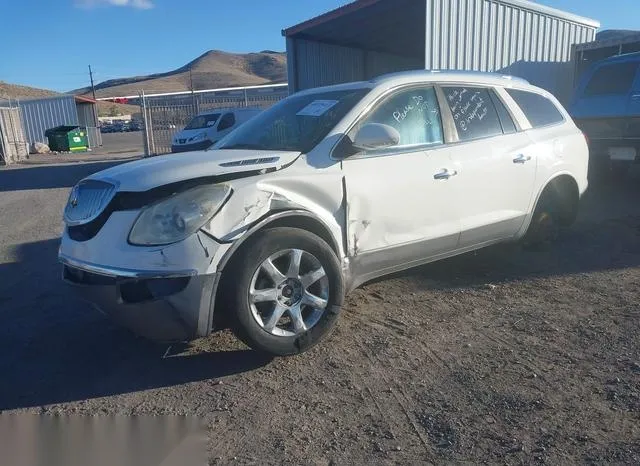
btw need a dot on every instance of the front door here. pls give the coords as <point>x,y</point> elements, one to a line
<point>496,166</point>
<point>399,200</point>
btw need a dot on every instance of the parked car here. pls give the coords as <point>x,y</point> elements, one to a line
<point>606,106</point>
<point>135,126</point>
<point>326,190</point>
<point>209,127</point>
<point>106,128</point>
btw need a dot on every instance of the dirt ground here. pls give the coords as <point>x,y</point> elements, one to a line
<point>501,356</point>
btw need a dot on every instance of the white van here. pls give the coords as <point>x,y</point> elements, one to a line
<point>209,127</point>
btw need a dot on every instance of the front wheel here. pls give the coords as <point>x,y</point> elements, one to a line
<point>285,290</point>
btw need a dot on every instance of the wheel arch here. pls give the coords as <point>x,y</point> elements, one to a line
<point>563,187</point>
<point>298,218</point>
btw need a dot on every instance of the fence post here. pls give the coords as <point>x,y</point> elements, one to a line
<point>146,123</point>
<point>246,98</point>
<point>16,154</point>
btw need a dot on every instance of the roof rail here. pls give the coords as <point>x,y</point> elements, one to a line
<point>419,73</point>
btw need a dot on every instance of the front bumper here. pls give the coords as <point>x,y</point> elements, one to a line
<point>167,306</point>
<point>202,145</point>
<point>163,293</point>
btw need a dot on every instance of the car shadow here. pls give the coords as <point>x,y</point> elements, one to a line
<point>25,177</point>
<point>56,348</point>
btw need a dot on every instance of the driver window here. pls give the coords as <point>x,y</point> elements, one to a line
<point>227,121</point>
<point>414,113</point>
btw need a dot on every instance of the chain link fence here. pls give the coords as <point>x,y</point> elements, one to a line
<point>165,114</point>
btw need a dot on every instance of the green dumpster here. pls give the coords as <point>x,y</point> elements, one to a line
<point>67,139</point>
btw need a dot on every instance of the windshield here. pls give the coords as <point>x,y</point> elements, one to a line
<point>296,123</point>
<point>203,121</point>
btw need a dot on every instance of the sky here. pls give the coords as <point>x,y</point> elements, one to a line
<point>122,38</point>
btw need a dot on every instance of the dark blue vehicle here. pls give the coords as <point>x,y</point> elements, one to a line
<point>606,107</point>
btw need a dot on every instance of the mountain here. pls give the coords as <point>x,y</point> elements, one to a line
<point>16,91</point>
<point>211,70</point>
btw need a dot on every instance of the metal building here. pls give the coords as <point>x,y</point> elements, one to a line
<point>39,115</point>
<point>367,38</point>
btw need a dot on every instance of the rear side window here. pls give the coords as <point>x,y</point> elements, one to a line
<point>539,110</point>
<point>612,79</point>
<point>473,111</point>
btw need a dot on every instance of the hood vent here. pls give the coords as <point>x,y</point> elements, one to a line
<point>245,162</point>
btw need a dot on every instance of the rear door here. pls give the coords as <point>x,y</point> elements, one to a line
<point>496,165</point>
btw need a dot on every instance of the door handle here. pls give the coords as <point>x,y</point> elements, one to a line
<point>444,174</point>
<point>522,158</point>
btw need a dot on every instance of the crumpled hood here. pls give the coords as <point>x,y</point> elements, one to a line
<point>152,172</point>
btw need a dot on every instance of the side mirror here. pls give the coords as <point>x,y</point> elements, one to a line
<point>376,136</point>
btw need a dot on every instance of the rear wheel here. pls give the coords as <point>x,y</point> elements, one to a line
<point>544,227</point>
<point>285,290</point>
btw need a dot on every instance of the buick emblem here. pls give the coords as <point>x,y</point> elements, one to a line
<point>74,197</point>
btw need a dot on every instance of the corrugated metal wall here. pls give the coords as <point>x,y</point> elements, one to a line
<point>320,64</point>
<point>511,37</point>
<point>13,145</point>
<point>87,118</point>
<point>489,35</point>
<point>41,114</point>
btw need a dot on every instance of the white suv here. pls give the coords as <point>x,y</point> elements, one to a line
<point>328,189</point>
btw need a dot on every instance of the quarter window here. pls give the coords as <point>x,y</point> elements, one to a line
<point>414,113</point>
<point>539,110</point>
<point>473,111</point>
<point>612,79</point>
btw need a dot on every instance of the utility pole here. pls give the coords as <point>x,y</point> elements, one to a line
<point>96,121</point>
<point>93,89</point>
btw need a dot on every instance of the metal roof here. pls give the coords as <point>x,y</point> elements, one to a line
<point>79,99</point>
<point>387,26</point>
<point>615,41</point>
<point>313,25</point>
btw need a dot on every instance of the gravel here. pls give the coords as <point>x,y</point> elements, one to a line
<point>503,355</point>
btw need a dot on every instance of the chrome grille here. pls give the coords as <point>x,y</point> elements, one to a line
<point>87,200</point>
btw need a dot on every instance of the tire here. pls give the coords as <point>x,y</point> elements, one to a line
<point>545,224</point>
<point>250,280</point>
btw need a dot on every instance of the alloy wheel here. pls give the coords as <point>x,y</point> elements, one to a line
<point>289,292</point>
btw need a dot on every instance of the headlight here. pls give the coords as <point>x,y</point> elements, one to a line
<point>174,219</point>
<point>198,137</point>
